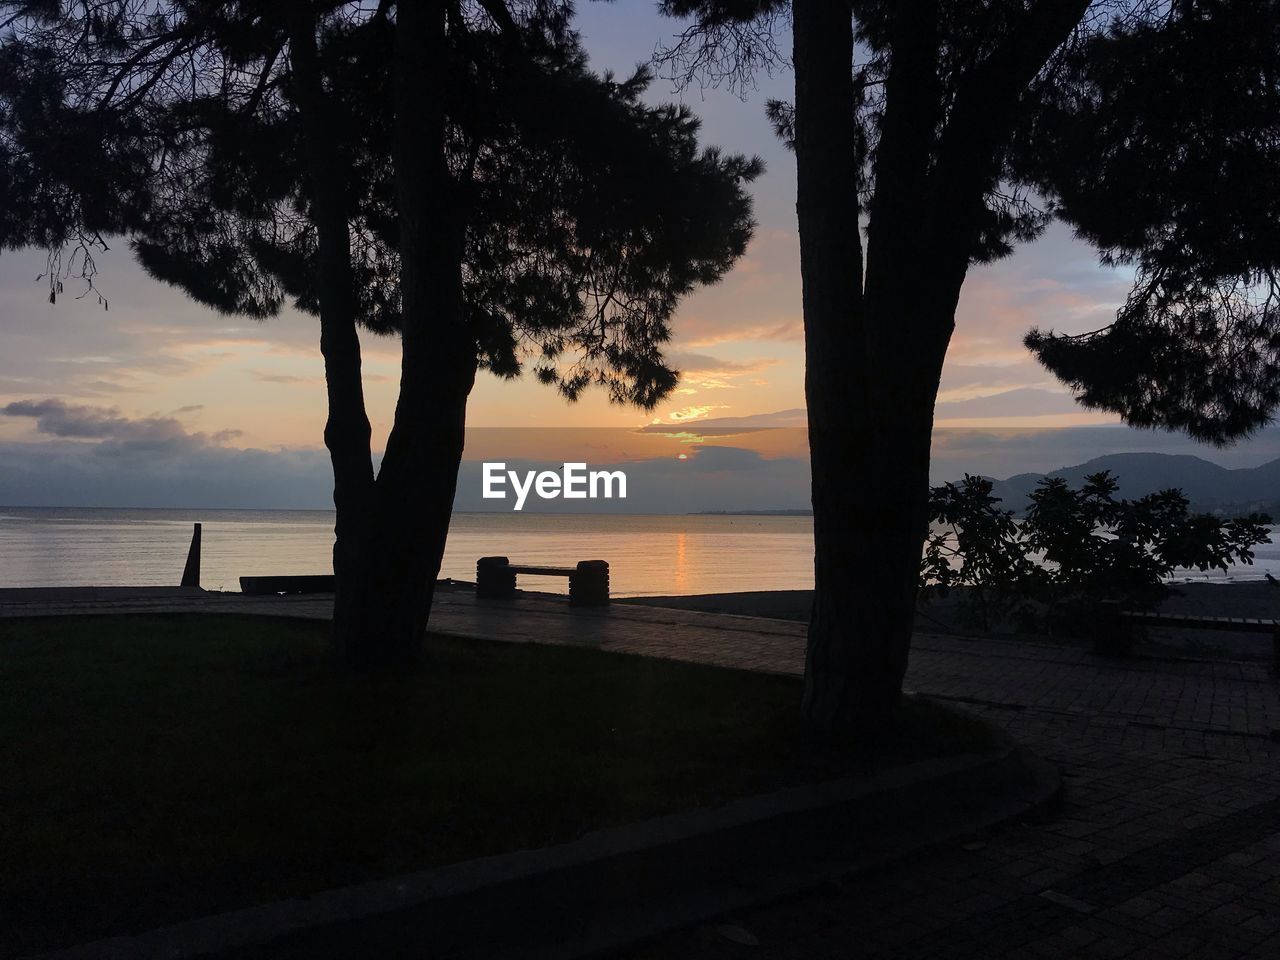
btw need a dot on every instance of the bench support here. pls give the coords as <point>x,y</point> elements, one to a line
<point>494,578</point>
<point>589,584</point>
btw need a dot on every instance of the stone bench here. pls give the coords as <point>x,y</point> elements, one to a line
<point>1116,627</point>
<point>588,581</point>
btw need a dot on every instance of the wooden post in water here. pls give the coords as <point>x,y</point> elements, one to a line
<point>191,572</point>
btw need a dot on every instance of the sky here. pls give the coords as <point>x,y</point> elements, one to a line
<point>159,401</point>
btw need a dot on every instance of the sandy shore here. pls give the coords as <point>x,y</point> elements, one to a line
<point>1251,599</point>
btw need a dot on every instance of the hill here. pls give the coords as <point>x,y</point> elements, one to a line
<point>1207,485</point>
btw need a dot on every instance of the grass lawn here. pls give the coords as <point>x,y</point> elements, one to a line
<point>158,768</point>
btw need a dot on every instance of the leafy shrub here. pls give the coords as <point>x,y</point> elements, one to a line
<point>1072,549</point>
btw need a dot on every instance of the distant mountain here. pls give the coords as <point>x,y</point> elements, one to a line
<point>1207,485</point>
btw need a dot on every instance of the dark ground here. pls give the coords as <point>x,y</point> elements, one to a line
<point>165,767</point>
<point>1168,845</point>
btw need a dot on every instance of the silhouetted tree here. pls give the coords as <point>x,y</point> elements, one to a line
<point>450,172</point>
<point>1182,116</point>
<point>944,132</point>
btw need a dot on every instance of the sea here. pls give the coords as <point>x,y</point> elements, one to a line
<point>648,555</point>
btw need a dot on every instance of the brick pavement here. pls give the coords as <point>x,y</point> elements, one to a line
<point>1168,844</point>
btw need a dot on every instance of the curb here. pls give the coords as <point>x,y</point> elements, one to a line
<point>617,886</point>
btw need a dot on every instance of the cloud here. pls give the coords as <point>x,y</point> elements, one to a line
<point>962,381</point>
<point>114,431</point>
<point>787,331</point>
<point>762,462</point>
<point>83,388</point>
<point>690,414</point>
<point>796,417</point>
<point>1021,402</point>
<point>266,377</point>
<point>699,371</point>
<point>1055,282</point>
<point>701,363</point>
<point>152,333</point>
<point>78,474</point>
<point>759,299</point>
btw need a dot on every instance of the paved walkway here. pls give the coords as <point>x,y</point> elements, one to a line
<point>1169,844</point>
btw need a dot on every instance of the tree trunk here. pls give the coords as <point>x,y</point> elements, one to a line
<point>870,499</point>
<point>835,362</point>
<point>873,358</point>
<point>874,350</point>
<point>415,487</point>
<point>906,346</point>
<point>346,432</point>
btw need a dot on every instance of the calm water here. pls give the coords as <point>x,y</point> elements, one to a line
<point>45,547</point>
<point>654,555</point>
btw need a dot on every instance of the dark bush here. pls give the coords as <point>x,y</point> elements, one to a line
<point>1071,550</point>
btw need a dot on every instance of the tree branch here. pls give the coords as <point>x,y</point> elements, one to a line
<point>985,105</point>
